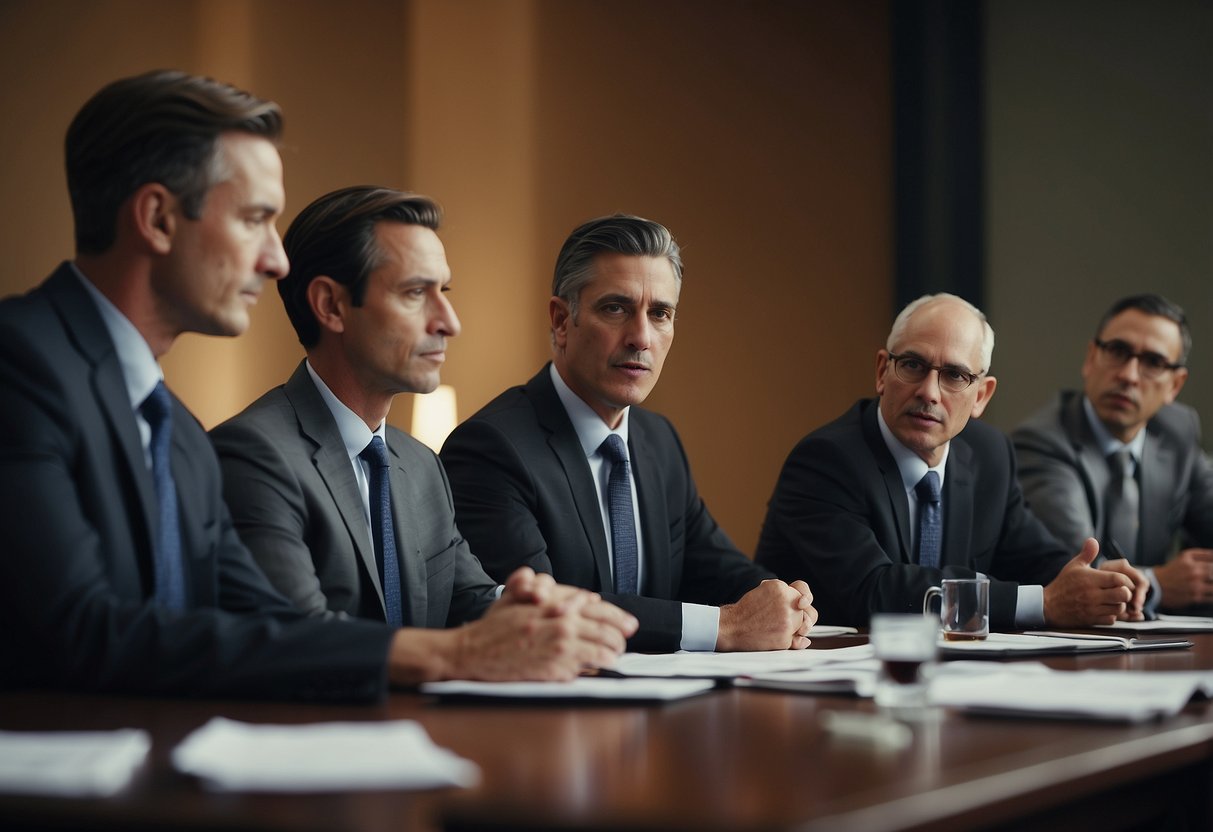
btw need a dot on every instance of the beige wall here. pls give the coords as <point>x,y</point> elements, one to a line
<point>758,132</point>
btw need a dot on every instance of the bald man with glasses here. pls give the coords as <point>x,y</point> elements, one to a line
<point>909,488</point>
<point>1122,460</point>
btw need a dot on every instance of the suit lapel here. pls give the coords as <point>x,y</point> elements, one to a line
<point>891,476</point>
<point>562,439</point>
<point>1158,466</point>
<point>86,327</point>
<point>958,504</point>
<point>654,514</point>
<point>333,464</point>
<point>412,562</point>
<point>1092,466</point>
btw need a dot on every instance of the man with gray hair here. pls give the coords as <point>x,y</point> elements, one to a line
<point>908,488</point>
<point>566,475</point>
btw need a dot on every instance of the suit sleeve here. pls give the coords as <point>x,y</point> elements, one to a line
<point>1198,518</point>
<point>1052,484</point>
<point>714,570</point>
<point>71,605</point>
<point>269,512</point>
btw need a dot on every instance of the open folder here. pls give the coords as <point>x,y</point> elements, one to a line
<point>1003,645</point>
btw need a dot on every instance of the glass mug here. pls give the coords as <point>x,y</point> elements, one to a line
<point>964,608</point>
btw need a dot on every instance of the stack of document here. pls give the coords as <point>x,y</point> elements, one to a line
<point>235,756</point>
<point>1031,689</point>
<point>732,665</point>
<point>1007,645</point>
<point>1164,624</point>
<point>587,687</point>
<point>71,763</point>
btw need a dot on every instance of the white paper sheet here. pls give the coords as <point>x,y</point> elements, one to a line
<point>1164,624</point>
<point>729,665</point>
<point>856,678</point>
<point>332,756</point>
<point>1032,690</point>
<point>70,763</point>
<point>589,687</point>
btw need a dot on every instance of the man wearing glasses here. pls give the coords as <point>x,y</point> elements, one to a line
<point>1122,461</point>
<point>907,489</point>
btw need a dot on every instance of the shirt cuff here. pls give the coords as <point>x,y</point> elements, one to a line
<point>700,626</point>
<point>1030,606</point>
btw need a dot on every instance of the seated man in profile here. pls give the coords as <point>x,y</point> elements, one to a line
<point>907,489</point>
<point>567,475</point>
<point>348,516</point>
<point>1123,460</point>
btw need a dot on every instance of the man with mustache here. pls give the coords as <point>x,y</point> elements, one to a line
<point>909,488</point>
<point>567,475</point>
<point>1124,437</point>
<point>350,517</point>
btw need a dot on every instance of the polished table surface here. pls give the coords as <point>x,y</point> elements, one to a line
<point>730,759</point>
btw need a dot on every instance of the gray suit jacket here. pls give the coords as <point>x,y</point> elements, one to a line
<point>1064,476</point>
<point>77,510</point>
<point>295,502</point>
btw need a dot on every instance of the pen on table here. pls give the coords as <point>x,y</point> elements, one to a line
<point>1117,553</point>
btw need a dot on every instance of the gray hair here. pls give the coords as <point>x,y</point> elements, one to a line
<point>903,320</point>
<point>616,234</point>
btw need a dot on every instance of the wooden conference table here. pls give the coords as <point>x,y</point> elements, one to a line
<point>731,759</point>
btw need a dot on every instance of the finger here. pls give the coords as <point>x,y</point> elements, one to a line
<point>1090,549</point>
<point>604,612</point>
<point>800,642</point>
<point>520,580</point>
<point>802,588</point>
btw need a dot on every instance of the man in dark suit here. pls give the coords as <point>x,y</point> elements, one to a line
<point>1073,455</point>
<point>905,490</point>
<point>567,476</point>
<point>120,570</point>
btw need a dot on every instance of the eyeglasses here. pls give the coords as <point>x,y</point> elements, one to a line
<point>913,370</point>
<point>1117,353</point>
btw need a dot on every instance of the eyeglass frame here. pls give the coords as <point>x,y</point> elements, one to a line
<point>1150,364</point>
<point>971,378</point>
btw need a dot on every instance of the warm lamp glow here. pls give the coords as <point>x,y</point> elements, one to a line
<point>434,416</point>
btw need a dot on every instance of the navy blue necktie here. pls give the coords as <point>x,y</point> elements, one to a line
<point>382,530</point>
<point>930,526</point>
<point>623,519</point>
<point>168,568</point>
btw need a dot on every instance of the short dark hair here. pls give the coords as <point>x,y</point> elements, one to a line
<point>1152,304</point>
<point>616,234</point>
<point>335,236</point>
<point>163,127</point>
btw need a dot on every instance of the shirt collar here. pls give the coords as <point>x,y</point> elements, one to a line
<point>910,465</point>
<point>354,433</point>
<point>1109,444</point>
<point>591,430</point>
<point>139,368</point>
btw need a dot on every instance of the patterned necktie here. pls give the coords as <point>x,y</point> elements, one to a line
<point>383,531</point>
<point>623,520</point>
<point>930,529</point>
<point>1122,507</point>
<point>168,568</point>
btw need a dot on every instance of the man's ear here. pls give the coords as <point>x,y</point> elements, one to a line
<point>558,311</point>
<point>882,364</point>
<point>329,301</point>
<point>151,212</point>
<point>985,392</point>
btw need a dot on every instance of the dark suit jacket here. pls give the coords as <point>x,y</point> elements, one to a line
<point>524,495</point>
<point>1065,476</point>
<point>293,497</point>
<point>839,519</point>
<point>77,506</point>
